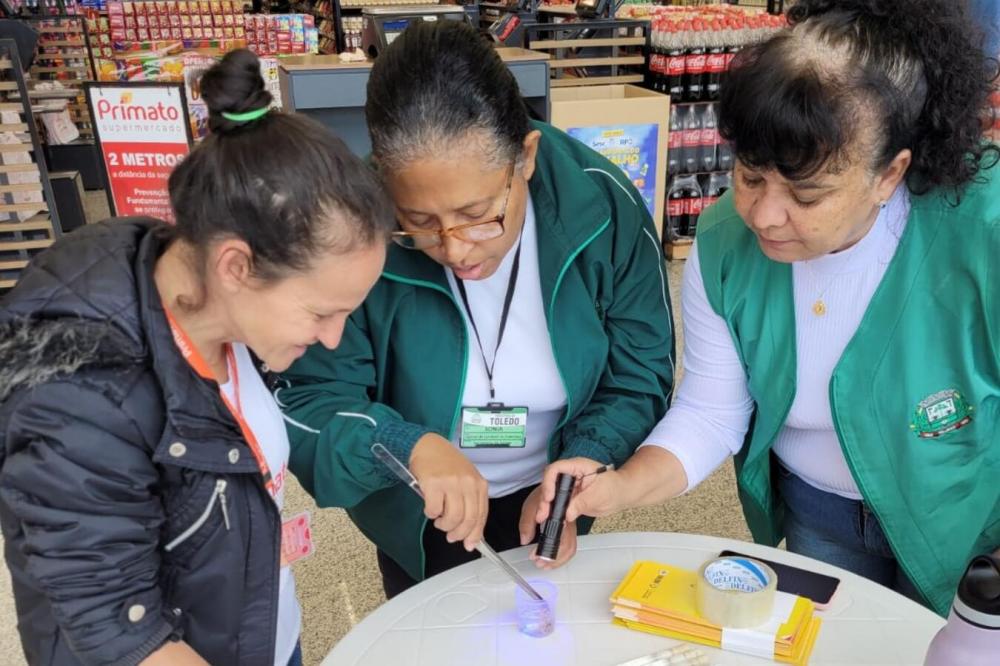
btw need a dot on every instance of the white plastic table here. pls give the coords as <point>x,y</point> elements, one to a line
<point>465,616</point>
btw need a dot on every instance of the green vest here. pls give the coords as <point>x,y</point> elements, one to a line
<point>915,396</point>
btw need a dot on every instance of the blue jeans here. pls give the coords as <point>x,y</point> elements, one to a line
<point>986,14</point>
<point>296,659</point>
<point>841,532</point>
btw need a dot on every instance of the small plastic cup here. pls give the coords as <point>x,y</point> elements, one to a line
<point>536,618</point>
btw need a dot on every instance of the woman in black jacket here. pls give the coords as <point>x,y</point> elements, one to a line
<point>141,479</point>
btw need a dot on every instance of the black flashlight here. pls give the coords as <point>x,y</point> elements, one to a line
<point>548,542</point>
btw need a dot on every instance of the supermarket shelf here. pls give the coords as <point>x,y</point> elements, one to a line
<point>61,42</point>
<point>70,55</point>
<point>18,168</point>
<point>567,10</point>
<point>61,68</point>
<point>545,44</point>
<point>373,5</point>
<point>500,7</point>
<point>15,148</point>
<point>62,29</point>
<point>570,81</point>
<point>678,248</point>
<point>597,62</point>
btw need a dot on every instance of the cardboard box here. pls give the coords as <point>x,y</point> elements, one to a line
<point>629,126</point>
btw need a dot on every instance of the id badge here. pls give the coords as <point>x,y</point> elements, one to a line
<point>296,539</point>
<point>494,426</point>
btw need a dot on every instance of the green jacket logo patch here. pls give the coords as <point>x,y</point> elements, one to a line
<point>941,413</point>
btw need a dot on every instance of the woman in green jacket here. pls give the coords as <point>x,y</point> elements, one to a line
<point>522,317</point>
<point>840,310</point>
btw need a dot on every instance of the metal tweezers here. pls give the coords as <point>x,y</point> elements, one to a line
<point>400,470</point>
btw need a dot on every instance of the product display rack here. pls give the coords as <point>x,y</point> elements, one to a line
<point>590,52</point>
<point>332,15</point>
<point>506,21</point>
<point>691,47</point>
<point>328,22</point>
<point>699,167</point>
<point>64,54</point>
<point>28,224</point>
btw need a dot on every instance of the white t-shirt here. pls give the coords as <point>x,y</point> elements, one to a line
<point>525,373</point>
<point>264,419</point>
<point>712,408</point>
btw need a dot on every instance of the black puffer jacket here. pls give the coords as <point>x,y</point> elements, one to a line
<point>132,509</point>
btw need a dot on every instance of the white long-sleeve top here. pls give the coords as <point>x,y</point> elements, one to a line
<point>525,374</point>
<point>712,408</point>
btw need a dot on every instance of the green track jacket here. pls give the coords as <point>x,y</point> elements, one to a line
<point>400,369</point>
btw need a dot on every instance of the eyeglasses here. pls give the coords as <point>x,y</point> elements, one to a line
<point>474,232</point>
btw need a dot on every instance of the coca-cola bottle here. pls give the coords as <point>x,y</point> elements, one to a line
<point>675,218</point>
<point>676,61</point>
<point>675,141</point>
<point>684,201</point>
<point>717,185</point>
<point>725,182</point>
<point>694,64</point>
<point>709,139</point>
<point>715,63</point>
<point>654,59</point>
<point>695,204</point>
<point>725,158</point>
<point>692,141</point>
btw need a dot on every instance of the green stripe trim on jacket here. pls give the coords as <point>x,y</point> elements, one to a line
<point>552,304</point>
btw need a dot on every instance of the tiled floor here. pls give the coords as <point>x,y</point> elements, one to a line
<point>339,585</point>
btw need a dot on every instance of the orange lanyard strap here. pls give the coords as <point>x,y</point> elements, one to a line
<point>198,364</point>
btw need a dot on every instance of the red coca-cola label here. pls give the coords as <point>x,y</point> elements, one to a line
<point>708,201</point>
<point>729,60</point>
<point>676,65</point>
<point>710,136</point>
<point>695,64</point>
<point>716,63</point>
<point>675,139</point>
<point>676,207</point>
<point>654,63</point>
<point>692,138</point>
<point>694,206</point>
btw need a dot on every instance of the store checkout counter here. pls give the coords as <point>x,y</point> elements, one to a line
<point>334,92</point>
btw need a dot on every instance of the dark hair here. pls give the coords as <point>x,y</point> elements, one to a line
<point>910,72</point>
<point>435,84</point>
<point>281,182</point>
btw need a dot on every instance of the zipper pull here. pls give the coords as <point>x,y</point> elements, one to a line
<point>220,489</point>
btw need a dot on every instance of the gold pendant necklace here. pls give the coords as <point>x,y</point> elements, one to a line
<point>819,305</point>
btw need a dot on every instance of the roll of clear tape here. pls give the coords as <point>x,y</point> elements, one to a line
<point>736,592</point>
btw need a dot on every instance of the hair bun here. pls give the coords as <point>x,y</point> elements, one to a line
<point>233,86</point>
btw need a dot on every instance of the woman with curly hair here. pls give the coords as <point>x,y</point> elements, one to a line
<point>840,306</point>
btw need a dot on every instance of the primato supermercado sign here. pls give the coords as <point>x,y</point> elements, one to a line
<point>143,133</point>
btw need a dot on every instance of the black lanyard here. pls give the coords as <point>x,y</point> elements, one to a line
<point>511,284</point>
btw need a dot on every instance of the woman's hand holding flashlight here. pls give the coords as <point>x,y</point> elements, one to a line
<point>593,493</point>
<point>651,476</point>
